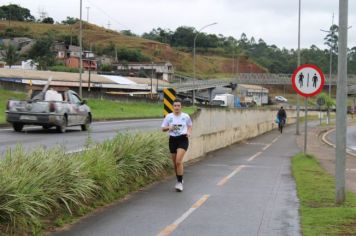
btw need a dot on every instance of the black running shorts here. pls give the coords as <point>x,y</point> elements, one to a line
<point>178,142</point>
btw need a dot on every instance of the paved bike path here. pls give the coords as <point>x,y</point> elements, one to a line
<point>245,189</point>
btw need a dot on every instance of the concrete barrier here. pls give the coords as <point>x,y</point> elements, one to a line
<point>216,128</point>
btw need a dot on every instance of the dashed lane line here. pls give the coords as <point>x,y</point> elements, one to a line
<point>225,179</point>
<point>172,227</point>
<point>254,156</point>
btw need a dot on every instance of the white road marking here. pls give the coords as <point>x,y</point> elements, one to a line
<point>124,121</point>
<point>275,140</point>
<point>254,156</point>
<point>97,122</point>
<point>261,144</point>
<point>184,216</point>
<point>76,151</point>
<point>267,146</point>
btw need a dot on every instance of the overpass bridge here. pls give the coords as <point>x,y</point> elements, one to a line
<point>189,85</point>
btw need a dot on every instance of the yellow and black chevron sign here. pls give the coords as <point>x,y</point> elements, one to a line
<point>168,98</point>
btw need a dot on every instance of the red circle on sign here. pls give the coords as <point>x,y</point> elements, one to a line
<point>322,78</point>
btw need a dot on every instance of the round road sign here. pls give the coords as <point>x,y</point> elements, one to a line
<point>308,80</point>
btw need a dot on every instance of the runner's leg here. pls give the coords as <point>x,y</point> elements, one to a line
<point>179,161</point>
<point>174,157</point>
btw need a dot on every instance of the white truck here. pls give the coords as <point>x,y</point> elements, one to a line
<point>224,100</point>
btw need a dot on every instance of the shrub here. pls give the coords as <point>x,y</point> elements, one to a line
<point>45,183</point>
<point>63,69</point>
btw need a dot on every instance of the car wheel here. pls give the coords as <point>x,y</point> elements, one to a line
<point>63,127</point>
<point>86,125</point>
<point>17,127</point>
<point>46,127</point>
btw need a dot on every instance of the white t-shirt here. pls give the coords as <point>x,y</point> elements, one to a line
<point>180,123</point>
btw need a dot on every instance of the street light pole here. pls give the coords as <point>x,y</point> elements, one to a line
<point>87,14</point>
<point>195,38</point>
<point>81,51</point>
<point>330,64</point>
<point>298,102</point>
<point>341,104</point>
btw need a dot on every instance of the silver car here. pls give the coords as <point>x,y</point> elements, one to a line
<point>49,109</point>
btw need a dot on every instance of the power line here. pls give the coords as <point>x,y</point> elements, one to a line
<point>107,14</point>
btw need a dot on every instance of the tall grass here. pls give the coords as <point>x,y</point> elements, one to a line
<point>40,186</point>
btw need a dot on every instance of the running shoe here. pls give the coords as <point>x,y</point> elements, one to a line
<point>179,187</point>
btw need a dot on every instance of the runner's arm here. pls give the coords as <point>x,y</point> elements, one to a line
<point>165,126</point>
<point>190,126</point>
<point>189,131</point>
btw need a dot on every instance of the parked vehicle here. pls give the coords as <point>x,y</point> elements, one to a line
<point>280,99</point>
<point>48,109</point>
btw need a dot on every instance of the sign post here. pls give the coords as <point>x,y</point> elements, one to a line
<point>168,99</point>
<point>307,80</point>
<point>321,102</point>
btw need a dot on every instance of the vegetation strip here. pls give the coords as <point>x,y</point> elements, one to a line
<point>316,191</point>
<point>47,188</point>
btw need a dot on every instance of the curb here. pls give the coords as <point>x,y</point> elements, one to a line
<point>324,139</point>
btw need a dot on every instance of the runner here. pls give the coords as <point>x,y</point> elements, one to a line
<point>179,126</point>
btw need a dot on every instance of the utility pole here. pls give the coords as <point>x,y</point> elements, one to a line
<point>331,62</point>
<point>87,14</point>
<point>116,59</point>
<point>298,102</point>
<point>151,78</point>
<point>81,51</point>
<point>109,24</point>
<point>9,16</point>
<point>341,104</point>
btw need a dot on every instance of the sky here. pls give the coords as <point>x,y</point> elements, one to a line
<point>275,21</point>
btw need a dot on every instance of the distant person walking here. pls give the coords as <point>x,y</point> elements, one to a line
<point>282,116</point>
<point>179,126</point>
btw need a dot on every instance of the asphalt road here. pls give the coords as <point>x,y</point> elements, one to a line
<point>74,139</point>
<point>245,189</point>
<point>350,138</point>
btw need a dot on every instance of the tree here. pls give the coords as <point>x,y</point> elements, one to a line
<point>127,33</point>
<point>16,12</point>
<point>2,14</point>
<point>70,20</point>
<point>331,39</point>
<point>11,55</point>
<point>329,102</point>
<point>160,35</point>
<point>184,36</point>
<point>48,20</point>
<point>42,52</point>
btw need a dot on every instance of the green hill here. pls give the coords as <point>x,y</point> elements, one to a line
<point>100,39</point>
